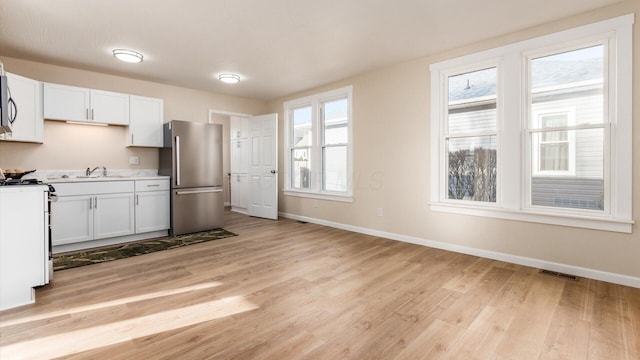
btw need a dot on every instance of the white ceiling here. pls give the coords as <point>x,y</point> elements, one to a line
<point>278,47</point>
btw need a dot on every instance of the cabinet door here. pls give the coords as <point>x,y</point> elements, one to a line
<point>152,211</point>
<point>62,102</point>
<point>239,127</point>
<point>113,215</point>
<point>71,219</point>
<point>27,94</point>
<point>146,116</point>
<point>109,107</point>
<point>239,191</point>
<point>240,156</point>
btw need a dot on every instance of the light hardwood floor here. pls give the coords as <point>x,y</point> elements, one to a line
<point>289,290</point>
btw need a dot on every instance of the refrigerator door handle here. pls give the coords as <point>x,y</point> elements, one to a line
<point>197,191</point>
<point>177,160</point>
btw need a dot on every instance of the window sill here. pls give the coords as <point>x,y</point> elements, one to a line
<point>580,221</point>
<point>321,196</point>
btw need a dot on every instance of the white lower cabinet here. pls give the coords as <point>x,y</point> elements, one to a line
<point>71,219</point>
<point>152,205</point>
<point>87,211</point>
<point>239,191</point>
<point>114,210</point>
<point>113,215</point>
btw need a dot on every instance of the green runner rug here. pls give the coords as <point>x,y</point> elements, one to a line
<point>121,251</point>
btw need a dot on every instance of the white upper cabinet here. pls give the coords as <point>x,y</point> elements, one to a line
<point>29,123</point>
<point>146,116</point>
<point>70,103</point>
<point>62,102</point>
<point>109,107</point>
<point>239,127</point>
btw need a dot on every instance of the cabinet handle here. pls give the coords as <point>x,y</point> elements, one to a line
<point>137,199</point>
<point>95,205</point>
<point>238,134</point>
<point>131,138</point>
<point>91,114</point>
<point>90,201</point>
<point>153,185</point>
<point>189,192</point>
<point>86,113</point>
<point>238,144</point>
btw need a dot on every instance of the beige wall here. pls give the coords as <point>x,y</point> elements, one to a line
<point>75,147</point>
<point>392,161</point>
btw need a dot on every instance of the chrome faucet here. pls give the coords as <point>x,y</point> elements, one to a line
<point>89,172</point>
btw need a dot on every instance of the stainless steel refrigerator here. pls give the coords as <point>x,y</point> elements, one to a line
<point>192,156</point>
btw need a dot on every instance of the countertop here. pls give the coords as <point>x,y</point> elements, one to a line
<point>72,179</point>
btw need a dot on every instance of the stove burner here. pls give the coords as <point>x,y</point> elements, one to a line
<point>20,182</point>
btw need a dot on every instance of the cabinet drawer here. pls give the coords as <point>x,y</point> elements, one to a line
<point>94,187</point>
<point>152,185</point>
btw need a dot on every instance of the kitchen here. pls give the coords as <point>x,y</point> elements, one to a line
<point>67,148</point>
<point>392,175</point>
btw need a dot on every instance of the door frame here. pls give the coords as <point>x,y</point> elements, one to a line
<point>226,148</point>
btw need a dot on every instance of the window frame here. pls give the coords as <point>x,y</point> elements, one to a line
<point>445,135</point>
<point>514,148</point>
<point>316,175</point>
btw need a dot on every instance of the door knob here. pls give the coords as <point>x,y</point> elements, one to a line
<point>273,171</point>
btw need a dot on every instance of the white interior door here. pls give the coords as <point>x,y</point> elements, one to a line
<point>263,166</point>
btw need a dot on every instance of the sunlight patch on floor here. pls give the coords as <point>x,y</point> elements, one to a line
<point>106,304</point>
<point>74,342</point>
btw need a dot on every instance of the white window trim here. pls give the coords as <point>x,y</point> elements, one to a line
<point>314,101</point>
<point>511,197</point>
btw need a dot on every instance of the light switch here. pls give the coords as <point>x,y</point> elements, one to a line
<point>134,160</point>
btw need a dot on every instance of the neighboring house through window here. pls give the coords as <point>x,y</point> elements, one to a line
<point>318,137</point>
<point>538,130</point>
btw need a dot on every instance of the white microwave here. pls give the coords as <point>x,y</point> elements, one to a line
<point>8,110</point>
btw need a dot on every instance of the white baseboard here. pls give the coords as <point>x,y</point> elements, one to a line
<point>515,259</point>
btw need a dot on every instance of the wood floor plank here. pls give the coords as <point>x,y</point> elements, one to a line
<point>291,290</point>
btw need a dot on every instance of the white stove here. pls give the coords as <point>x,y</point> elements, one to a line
<point>25,246</point>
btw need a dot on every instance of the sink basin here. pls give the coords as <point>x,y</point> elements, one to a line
<point>116,176</point>
<point>88,177</point>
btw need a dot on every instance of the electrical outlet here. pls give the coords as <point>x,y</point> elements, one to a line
<point>379,211</point>
<point>315,203</point>
<point>134,160</point>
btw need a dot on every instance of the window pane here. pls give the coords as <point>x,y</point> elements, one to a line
<point>302,134</point>
<point>335,122</point>
<point>472,168</point>
<point>582,188</point>
<point>472,102</point>
<point>334,168</point>
<point>301,167</point>
<point>572,79</point>
<point>554,156</point>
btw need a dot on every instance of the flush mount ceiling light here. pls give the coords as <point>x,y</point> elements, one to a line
<point>129,56</point>
<point>229,78</point>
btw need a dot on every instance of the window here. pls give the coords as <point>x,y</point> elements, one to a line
<point>470,136</point>
<point>318,137</point>
<point>568,145</point>
<point>538,130</point>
